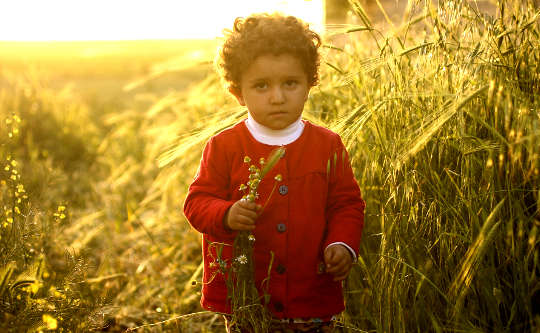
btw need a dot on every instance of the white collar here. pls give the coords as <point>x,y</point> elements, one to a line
<point>272,137</point>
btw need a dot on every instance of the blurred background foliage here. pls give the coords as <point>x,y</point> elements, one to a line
<point>439,109</point>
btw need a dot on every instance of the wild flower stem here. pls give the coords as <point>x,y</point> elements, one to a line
<point>247,310</point>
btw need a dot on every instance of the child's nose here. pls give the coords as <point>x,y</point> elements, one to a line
<point>277,96</point>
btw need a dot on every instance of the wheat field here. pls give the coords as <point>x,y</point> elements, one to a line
<point>440,113</point>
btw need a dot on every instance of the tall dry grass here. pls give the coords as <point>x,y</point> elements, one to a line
<point>442,121</point>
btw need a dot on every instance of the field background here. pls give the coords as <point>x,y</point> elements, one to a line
<point>438,106</point>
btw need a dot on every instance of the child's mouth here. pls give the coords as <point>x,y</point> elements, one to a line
<point>278,113</point>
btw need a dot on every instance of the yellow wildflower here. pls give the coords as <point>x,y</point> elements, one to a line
<point>34,287</point>
<point>50,321</point>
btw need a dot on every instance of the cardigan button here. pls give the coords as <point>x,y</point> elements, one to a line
<point>283,189</point>
<point>281,227</point>
<point>280,269</point>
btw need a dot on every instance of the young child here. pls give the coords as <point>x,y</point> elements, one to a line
<point>313,222</point>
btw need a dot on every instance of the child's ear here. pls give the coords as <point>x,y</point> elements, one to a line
<point>238,94</point>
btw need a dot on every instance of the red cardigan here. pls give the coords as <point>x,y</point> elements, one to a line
<point>318,202</point>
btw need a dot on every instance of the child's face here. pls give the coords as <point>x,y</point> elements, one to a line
<point>274,89</point>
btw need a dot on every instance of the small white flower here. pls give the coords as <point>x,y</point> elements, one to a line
<point>251,238</point>
<point>242,259</point>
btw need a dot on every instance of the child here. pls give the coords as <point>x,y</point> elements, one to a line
<point>313,222</point>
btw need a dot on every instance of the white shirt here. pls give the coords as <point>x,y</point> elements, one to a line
<point>272,137</point>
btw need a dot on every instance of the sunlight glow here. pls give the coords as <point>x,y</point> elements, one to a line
<point>38,20</point>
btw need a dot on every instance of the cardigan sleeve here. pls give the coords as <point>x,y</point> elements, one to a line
<point>207,200</point>
<point>345,206</point>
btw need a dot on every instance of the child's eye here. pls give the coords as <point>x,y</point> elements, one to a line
<point>260,85</point>
<point>291,83</point>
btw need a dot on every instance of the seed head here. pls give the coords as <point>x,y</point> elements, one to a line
<point>254,183</point>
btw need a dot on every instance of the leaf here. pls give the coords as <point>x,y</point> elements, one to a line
<point>271,160</point>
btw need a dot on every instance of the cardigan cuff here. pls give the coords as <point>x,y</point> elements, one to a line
<point>351,251</point>
<point>220,230</point>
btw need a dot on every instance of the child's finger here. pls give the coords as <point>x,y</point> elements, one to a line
<point>329,256</point>
<point>249,205</point>
<point>336,267</point>
<point>243,226</point>
<point>248,213</point>
<point>243,223</point>
<point>341,273</point>
<point>246,220</point>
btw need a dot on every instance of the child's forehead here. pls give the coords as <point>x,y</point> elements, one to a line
<point>273,66</point>
<point>283,59</point>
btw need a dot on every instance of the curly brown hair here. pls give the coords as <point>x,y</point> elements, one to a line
<point>261,34</point>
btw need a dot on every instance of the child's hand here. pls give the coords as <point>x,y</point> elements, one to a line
<point>338,261</point>
<point>242,215</point>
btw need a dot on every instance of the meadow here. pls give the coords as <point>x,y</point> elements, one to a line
<point>440,114</point>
